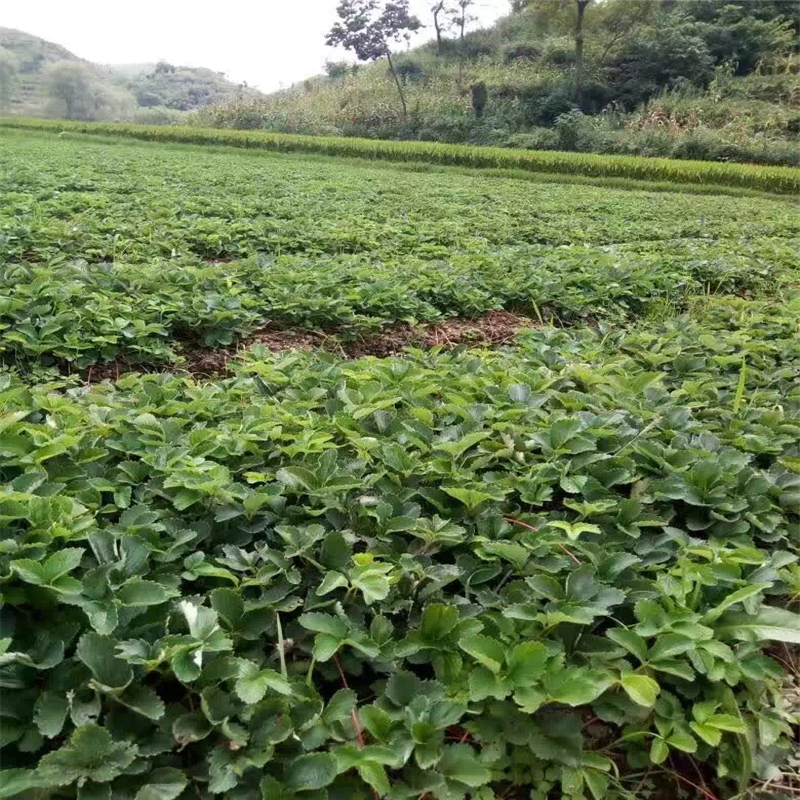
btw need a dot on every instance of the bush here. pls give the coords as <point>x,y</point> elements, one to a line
<point>409,70</point>
<point>158,115</point>
<point>659,58</point>
<point>536,139</point>
<point>521,51</point>
<point>559,52</point>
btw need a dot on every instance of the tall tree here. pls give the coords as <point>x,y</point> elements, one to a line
<point>368,28</point>
<point>73,83</point>
<point>460,18</point>
<point>436,9</point>
<point>581,10</point>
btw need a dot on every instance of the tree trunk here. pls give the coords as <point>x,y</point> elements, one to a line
<point>398,84</point>
<point>579,52</point>
<point>438,27</point>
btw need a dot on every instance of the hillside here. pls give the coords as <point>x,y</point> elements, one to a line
<point>714,79</point>
<point>31,57</point>
<point>126,91</point>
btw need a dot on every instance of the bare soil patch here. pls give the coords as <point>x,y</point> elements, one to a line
<point>491,329</point>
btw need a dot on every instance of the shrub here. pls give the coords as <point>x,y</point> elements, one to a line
<point>521,51</point>
<point>535,139</point>
<point>158,115</point>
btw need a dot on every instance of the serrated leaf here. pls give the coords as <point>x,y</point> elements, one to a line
<point>310,772</point>
<point>640,688</point>
<point>90,754</point>
<point>50,713</point>
<point>460,763</point>
<point>576,686</point>
<point>526,663</point>
<point>484,650</point>
<point>138,593</point>
<point>165,783</point>
<point>98,653</point>
<point>631,641</point>
<point>143,700</point>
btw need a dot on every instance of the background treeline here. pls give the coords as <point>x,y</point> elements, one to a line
<point>708,79</point>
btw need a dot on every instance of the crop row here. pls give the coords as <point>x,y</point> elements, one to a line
<point>785,180</point>
<point>435,575</point>
<point>116,251</point>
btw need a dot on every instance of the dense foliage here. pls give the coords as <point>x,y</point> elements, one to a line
<point>561,569</point>
<point>229,242</point>
<point>422,575</point>
<point>784,180</point>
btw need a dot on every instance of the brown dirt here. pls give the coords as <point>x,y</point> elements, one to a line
<point>491,329</point>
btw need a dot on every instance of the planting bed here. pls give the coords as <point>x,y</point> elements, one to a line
<point>549,551</point>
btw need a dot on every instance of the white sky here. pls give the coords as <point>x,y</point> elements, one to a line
<point>268,43</point>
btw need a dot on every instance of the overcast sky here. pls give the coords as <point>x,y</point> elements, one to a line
<point>268,43</point>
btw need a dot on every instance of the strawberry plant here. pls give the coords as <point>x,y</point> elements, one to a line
<point>564,568</point>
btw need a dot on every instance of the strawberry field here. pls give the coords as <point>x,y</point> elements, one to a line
<point>561,568</point>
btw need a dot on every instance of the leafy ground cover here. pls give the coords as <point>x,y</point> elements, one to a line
<point>780,180</point>
<point>560,569</point>
<point>157,246</point>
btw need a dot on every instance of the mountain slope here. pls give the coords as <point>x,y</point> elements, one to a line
<point>135,85</point>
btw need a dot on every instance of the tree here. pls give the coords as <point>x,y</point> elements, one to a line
<point>8,76</point>
<point>337,69</point>
<point>460,17</point>
<point>436,9</point>
<point>581,10</point>
<point>368,28</point>
<point>73,83</point>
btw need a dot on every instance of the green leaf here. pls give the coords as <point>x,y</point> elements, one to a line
<point>631,641</point>
<point>138,593</point>
<point>332,580</point>
<point>324,623</point>
<point>770,624</point>
<point>438,619</point>
<point>191,728</point>
<point>50,712</point>
<point>143,700</point>
<point>165,783</point>
<point>726,722</point>
<point>374,775</point>
<point>576,686</point>
<point>314,771</point>
<point>658,750</point>
<point>526,663</point>
<point>376,721</point>
<point>484,650</point>
<point>252,684</point>
<point>709,735</point>
<point>459,763</point>
<point>668,645</point>
<point>641,689</point>
<point>14,782</point>
<point>471,498</point>
<point>98,653</point>
<point>734,597</point>
<point>90,754</point>
<point>681,740</point>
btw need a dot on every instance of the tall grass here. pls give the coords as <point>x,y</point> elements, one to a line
<point>783,180</point>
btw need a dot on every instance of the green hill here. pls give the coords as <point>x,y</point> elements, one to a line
<point>681,78</point>
<point>146,92</point>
